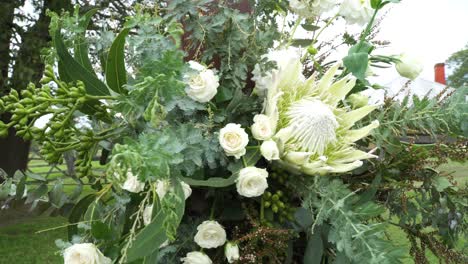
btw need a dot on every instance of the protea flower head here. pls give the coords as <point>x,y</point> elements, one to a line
<point>312,129</point>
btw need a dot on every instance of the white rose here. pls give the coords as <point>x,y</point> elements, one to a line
<point>132,184</point>
<point>356,11</point>
<point>231,251</point>
<point>86,253</point>
<point>252,182</point>
<point>196,257</point>
<point>210,235</point>
<point>233,140</point>
<point>269,150</point>
<point>301,8</point>
<point>409,67</point>
<point>163,186</point>
<point>262,128</point>
<point>202,84</point>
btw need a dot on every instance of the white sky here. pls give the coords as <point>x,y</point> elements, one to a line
<point>429,29</point>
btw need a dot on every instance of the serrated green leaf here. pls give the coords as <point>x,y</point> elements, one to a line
<point>116,75</point>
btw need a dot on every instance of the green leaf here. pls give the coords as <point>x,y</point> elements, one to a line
<point>364,46</point>
<point>441,183</point>
<point>37,193</point>
<point>301,42</point>
<point>100,230</point>
<point>148,239</point>
<point>304,217</point>
<point>81,44</point>
<point>309,27</point>
<point>35,176</point>
<point>314,249</point>
<point>77,212</point>
<point>20,179</point>
<point>116,75</point>
<point>216,182</point>
<point>57,197</point>
<point>76,71</point>
<point>357,64</point>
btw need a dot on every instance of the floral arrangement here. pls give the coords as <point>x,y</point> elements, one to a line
<point>226,138</point>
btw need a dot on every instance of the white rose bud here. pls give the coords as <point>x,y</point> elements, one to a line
<point>252,182</point>
<point>132,184</point>
<point>262,128</point>
<point>357,11</point>
<point>147,214</point>
<point>86,253</point>
<point>233,140</point>
<point>269,150</point>
<point>196,257</point>
<point>409,67</point>
<point>231,251</point>
<point>202,84</point>
<point>210,235</point>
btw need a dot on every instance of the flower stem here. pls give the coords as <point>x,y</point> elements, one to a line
<point>262,210</point>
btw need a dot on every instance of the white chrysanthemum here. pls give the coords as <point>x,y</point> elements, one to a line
<point>313,131</point>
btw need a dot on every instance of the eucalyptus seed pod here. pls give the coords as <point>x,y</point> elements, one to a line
<point>26,93</point>
<point>23,121</point>
<point>45,80</point>
<point>14,94</point>
<point>49,71</point>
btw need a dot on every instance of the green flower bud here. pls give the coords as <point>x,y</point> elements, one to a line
<point>49,71</point>
<point>45,80</point>
<point>312,50</point>
<point>279,193</point>
<point>275,197</point>
<point>267,204</point>
<point>358,100</point>
<point>280,204</point>
<point>275,208</point>
<point>267,195</point>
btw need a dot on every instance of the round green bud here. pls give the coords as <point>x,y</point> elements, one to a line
<point>280,204</point>
<point>267,194</point>
<point>275,208</point>
<point>275,197</point>
<point>279,193</point>
<point>312,50</point>
<point>267,204</point>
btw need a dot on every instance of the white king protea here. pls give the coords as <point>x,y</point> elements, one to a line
<point>313,132</point>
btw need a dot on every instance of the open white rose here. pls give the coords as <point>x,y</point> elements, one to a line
<point>210,235</point>
<point>231,251</point>
<point>163,186</point>
<point>252,182</point>
<point>233,140</point>
<point>86,253</point>
<point>270,150</point>
<point>262,127</point>
<point>409,67</point>
<point>132,184</point>
<point>202,83</point>
<point>356,11</point>
<point>196,257</point>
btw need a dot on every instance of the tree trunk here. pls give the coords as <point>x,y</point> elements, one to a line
<point>28,67</point>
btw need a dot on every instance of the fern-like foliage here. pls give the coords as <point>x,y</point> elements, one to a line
<point>346,221</point>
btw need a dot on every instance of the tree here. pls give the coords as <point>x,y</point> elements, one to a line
<point>22,38</point>
<point>458,63</point>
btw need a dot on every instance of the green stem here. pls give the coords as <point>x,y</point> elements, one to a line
<point>212,211</point>
<point>367,30</point>
<point>293,31</point>
<point>100,97</point>
<point>262,210</point>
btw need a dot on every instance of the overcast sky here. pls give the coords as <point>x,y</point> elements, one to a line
<point>429,29</point>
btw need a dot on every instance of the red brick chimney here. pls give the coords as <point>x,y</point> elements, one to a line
<point>439,71</point>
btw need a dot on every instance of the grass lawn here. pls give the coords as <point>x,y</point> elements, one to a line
<point>20,244</point>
